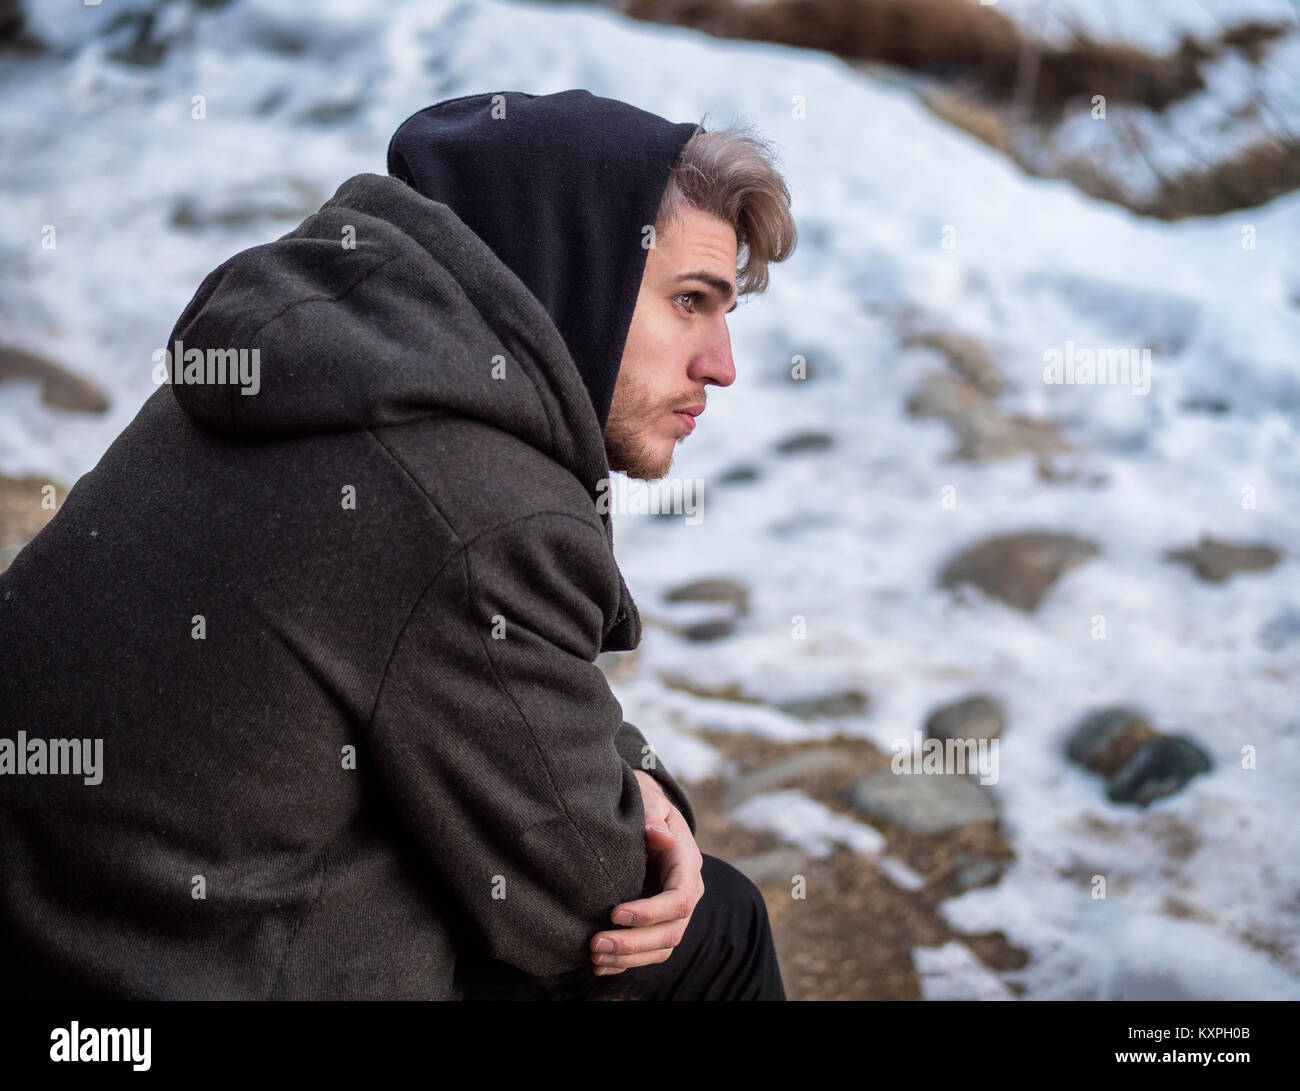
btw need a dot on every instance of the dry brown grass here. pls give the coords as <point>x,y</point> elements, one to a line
<point>956,39</point>
<point>975,59</point>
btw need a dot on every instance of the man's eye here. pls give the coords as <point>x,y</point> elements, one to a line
<point>686,295</point>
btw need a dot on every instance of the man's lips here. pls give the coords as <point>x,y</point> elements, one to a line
<point>687,416</point>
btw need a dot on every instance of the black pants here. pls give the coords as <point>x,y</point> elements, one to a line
<point>725,954</point>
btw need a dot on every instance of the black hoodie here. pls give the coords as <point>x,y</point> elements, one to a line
<point>337,640</point>
<point>562,188</point>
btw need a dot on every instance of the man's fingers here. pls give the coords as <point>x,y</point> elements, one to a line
<point>630,941</point>
<point>671,905</point>
<point>626,962</point>
<point>658,840</point>
<point>679,872</point>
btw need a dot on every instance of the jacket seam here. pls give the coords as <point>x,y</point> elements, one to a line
<point>318,298</point>
<point>297,928</point>
<point>462,542</point>
<point>463,551</point>
<point>428,499</point>
<point>437,575</point>
<point>565,812</point>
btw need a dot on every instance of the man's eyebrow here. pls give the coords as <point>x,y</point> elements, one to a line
<point>723,287</point>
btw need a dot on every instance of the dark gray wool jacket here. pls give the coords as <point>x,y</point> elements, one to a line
<point>338,640</point>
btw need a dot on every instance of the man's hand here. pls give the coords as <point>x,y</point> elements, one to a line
<point>655,925</point>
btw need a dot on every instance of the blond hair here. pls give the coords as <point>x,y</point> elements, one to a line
<point>731,174</point>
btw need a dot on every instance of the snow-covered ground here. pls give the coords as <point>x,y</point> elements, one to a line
<point>849,538</point>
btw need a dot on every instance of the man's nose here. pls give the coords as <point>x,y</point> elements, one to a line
<point>713,364</point>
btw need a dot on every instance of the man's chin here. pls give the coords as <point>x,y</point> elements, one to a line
<point>646,466</point>
<point>639,458</point>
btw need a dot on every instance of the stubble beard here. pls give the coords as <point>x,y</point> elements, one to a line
<point>630,418</point>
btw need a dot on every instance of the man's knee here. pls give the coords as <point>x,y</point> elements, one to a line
<point>739,900</point>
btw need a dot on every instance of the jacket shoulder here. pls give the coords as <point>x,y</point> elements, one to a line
<point>478,476</point>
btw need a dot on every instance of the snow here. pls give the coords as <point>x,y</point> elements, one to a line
<point>848,539</point>
<point>810,825</point>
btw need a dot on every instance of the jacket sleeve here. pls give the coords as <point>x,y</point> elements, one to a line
<point>494,737</point>
<point>639,754</point>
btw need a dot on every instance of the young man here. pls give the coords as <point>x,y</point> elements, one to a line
<point>330,606</point>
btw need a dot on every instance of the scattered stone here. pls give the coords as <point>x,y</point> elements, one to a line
<point>949,397</point>
<point>1048,470</point>
<point>711,590</point>
<point>1106,739</point>
<point>140,39</point>
<point>1018,569</point>
<point>922,803</point>
<point>1215,561</point>
<point>851,702</point>
<point>704,631</point>
<point>1161,768</point>
<point>983,438</point>
<point>60,388</point>
<point>983,432</point>
<point>774,865</point>
<point>1216,406</point>
<point>797,767</point>
<point>967,357</point>
<point>804,443</point>
<point>976,717</point>
<point>971,871</point>
<point>330,112</point>
<point>732,691</point>
<point>739,475</point>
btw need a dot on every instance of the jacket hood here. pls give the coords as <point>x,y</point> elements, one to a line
<point>381,308</point>
<point>562,188</point>
<point>384,308</point>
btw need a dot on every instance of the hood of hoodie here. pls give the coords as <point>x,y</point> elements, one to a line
<point>562,188</point>
<point>384,308</point>
<point>511,221</point>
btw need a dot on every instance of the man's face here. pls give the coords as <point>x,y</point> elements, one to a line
<point>677,344</point>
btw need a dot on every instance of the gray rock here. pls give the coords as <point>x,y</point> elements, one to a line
<point>776,864</point>
<point>827,706</point>
<point>1018,569</point>
<point>804,443</point>
<point>976,717</point>
<point>1161,768</point>
<point>739,475</point>
<point>922,803</point>
<point>1215,561</point>
<point>983,432</point>
<point>972,871</point>
<point>949,397</point>
<point>711,590</point>
<point>983,438</point>
<point>966,356</point>
<point>704,631</point>
<point>797,767</point>
<point>1105,739</point>
<point>60,388</point>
